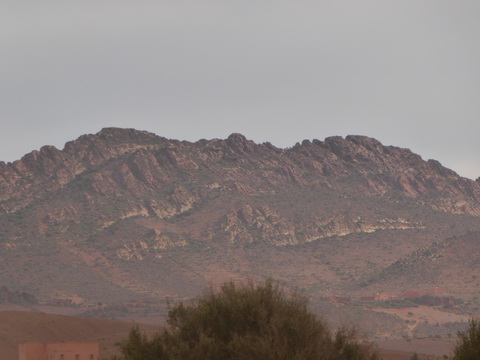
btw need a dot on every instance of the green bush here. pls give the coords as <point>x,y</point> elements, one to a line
<point>468,343</point>
<point>138,347</point>
<point>246,322</point>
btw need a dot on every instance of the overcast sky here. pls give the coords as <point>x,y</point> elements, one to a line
<point>406,72</point>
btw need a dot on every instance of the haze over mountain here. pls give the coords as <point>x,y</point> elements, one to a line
<point>127,215</point>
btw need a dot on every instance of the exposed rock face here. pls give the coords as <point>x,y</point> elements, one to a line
<point>247,225</point>
<point>115,161</point>
<point>128,196</point>
<point>117,174</point>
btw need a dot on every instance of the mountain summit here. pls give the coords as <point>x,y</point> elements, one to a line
<point>142,162</point>
<point>126,214</point>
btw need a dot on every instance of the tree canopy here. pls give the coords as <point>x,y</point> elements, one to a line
<point>246,322</point>
<point>468,343</point>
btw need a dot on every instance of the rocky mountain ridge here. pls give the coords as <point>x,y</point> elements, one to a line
<point>148,161</point>
<point>127,214</point>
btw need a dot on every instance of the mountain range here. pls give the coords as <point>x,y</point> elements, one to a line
<point>125,215</point>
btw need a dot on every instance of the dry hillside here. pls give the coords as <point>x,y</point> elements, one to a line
<point>127,217</point>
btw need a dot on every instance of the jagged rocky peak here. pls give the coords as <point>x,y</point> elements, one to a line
<point>139,161</point>
<point>440,169</point>
<point>358,144</point>
<point>338,155</point>
<point>119,135</point>
<point>240,144</point>
<point>115,141</point>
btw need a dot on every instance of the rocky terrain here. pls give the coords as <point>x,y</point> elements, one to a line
<point>125,215</point>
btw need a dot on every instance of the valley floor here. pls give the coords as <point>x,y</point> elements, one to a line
<point>22,324</point>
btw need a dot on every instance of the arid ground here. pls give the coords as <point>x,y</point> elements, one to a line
<point>25,326</point>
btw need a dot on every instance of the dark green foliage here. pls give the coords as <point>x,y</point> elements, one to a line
<point>246,322</point>
<point>15,297</point>
<point>138,347</point>
<point>468,343</point>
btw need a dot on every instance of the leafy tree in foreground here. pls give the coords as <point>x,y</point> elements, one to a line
<point>138,347</point>
<point>468,343</point>
<point>246,322</point>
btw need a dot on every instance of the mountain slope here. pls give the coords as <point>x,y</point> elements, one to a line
<point>126,214</point>
<point>452,263</point>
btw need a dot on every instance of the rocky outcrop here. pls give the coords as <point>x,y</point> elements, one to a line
<point>123,173</point>
<point>153,242</point>
<point>116,161</point>
<point>110,207</point>
<point>248,224</point>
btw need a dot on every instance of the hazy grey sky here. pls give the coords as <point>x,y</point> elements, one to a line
<point>406,72</point>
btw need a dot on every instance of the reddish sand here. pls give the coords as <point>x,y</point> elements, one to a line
<point>17,327</point>
<point>433,347</point>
